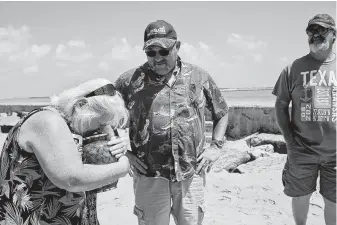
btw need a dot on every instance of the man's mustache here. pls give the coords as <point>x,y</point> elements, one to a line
<point>160,62</point>
<point>319,38</point>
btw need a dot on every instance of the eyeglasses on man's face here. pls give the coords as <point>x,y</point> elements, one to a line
<point>162,52</point>
<point>317,30</point>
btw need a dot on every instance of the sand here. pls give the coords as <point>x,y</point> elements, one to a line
<point>252,198</point>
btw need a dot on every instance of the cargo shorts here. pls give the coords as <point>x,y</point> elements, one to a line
<point>301,172</point>
<point>157,198</point>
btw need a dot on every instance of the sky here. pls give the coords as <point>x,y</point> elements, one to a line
<point>46,47</point>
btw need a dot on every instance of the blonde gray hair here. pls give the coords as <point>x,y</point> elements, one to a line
<point>71,100</point>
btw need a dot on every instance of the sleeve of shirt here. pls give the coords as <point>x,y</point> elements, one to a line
<point>215,102</point>
<point>122,84</point>
<point>282,87</point>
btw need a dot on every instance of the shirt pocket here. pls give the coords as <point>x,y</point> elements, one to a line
<point>196,97</point>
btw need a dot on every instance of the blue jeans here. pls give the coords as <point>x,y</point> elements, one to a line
<point>157,198</point>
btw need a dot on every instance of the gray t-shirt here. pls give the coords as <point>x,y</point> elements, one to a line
<point>311,86</point>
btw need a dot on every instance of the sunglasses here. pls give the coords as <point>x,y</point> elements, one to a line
<point>319,30</point>
<point>107,89</point>
<point>161,52</point>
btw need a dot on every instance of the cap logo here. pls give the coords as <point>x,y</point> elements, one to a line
<point>155,31</point>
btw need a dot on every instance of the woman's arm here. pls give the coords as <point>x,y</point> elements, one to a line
<point>47,135</point>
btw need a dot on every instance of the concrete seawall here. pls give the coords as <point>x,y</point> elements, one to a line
<point>243,120</point>
<point>20,107</point>
<point>247,120</point>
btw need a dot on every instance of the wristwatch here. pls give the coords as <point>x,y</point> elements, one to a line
<point>218,143</point>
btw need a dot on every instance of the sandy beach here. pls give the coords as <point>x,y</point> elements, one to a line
<point>254,197</point>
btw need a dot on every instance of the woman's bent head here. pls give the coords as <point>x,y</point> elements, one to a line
<point>91,106</point>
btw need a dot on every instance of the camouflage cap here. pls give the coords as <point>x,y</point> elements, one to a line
<point>323,20</point>
<point>159,33</point>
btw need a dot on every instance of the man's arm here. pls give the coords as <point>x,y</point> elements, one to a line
<point>219,108</point>
<point>219,129</point>
<point>283,120</point>
<point>212,153</point>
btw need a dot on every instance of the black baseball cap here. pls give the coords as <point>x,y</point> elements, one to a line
<point>159,33</point>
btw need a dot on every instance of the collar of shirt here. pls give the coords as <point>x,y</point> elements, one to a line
<point>173,77</point>
<point>163,79</point>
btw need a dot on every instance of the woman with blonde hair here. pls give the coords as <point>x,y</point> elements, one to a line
<point>43,177</point>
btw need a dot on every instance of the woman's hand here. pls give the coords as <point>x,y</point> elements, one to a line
<point>118,146</point>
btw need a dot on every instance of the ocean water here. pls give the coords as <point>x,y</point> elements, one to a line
<point>26,101</point>
<point>232,97</point>
<point>249,97</point>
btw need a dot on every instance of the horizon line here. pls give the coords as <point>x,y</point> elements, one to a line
<point>221,89</point>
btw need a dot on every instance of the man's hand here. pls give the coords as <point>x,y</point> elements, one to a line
<point>207,158</point>
<point>118,146</point>
<point>135,162</point>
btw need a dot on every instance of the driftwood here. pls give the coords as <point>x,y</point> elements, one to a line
<point>263,164</point>
<point>231,160</point>
<point>264,139</point>
<point>236,153</point>
<point>261,151</point>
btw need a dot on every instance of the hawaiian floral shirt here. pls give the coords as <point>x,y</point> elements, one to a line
<point>167,117</point>
<point>28,197</point>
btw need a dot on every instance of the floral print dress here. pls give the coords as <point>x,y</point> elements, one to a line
<point>27,196</point>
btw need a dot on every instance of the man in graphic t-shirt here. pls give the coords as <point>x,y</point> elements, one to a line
<point>310,132</point>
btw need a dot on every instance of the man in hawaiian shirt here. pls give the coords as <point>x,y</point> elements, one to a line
<point>167,99</point>
<point>310,133</point>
